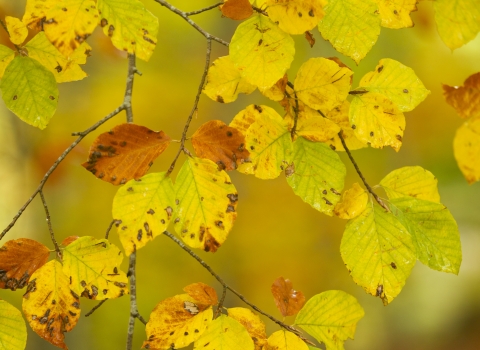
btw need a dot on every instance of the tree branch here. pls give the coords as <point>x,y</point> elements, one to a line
<point>109,228</point>
<point>127,100</point>
<point>133,300</point>
<point>192,13</point>
<point>49,223</point>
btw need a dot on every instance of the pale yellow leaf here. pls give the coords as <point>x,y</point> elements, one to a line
<point>466,147</point>
<point>353,203</point>
<point>254,325</point>
<point>17,29</point>
<point>284,340</point>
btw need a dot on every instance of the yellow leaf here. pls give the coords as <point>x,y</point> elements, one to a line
<point>457,21</point>
<point>296,16</point>
<point>6,56</point>
<point>322,84</point>
<point>36,11</point>
<point>351,26</point>
<point>261,51</point>
<point>17,30</point>
<point>317,129</point>
<point>354,201</point>
<point>93,267</point>
<point>13,332</point>
<point>206,204</point>
<point>130,25</point>
<point>69,23</point>
<point>283,340</point>
<point>64,69</point>
<point>277,91</point>
<point>49,305</point>
<point>247,117</point>
<point>377,120</point>
<point>225,82</point>
<point>465,99</point>
<point>254,325</point>
<point>396,13</point>
<point>466,147</point>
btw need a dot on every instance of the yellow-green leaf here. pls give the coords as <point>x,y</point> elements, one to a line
<point>142,210</point>
<point>331,317</point>
<point>225,82</point>
<point>225,333</point>
<point>261,51</point>
<point>457,21</point>
<point>466,147</point>
<point>351,26</point>
<point>377,120</point>
<point>206,204</point>
<point>283,340</point>
<point>316,174</point>
<point>93,266</point>
<point>254,325</point>
<point>354,201</point>
<point>396,81</point>
<point>277,91</point>
<point>130,25</point>
<point>29,90</point>
<point>378,251</point>
<point>296,16</point>
<point>413,181</point>
<point>13,331</point>
<point>395,14</point>
<point>317,129</point>
<point>6,56</point>
<point>36,11</point>
<point>64,69</point>
<point>16,29</point>
<point>322,84</point>
<point>69,23</point>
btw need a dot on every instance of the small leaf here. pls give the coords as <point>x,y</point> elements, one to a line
<point>465,99</point>
<point>206,204</point>
<point>353,203</point>
<point>395,14</point>
<point>17,30</point>
<point>247,117</point>
<point>283,340</point>
<point>49,305</point>
<point>93,268</point>
<point>466,147</point>
<point>225,333</point>
<point>29,90</point>
<point>220,143</point>
<point>339,115</point>
<point>277,91</point>
<point>13,331</point>
<point>331,317</point>
<point>288,300</point>
<point>35,13</point>
<point>202,293</point>
<point>261,51</point>
<point>237,9</point>
<point>142,210</point>
<point>6,56</point>
<point>253,324</point>
<point>126,152</point>
<point>19,259</point>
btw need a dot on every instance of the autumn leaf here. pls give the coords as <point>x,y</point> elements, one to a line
<point>19,259</point>
<point>283,340</point>
<point>126,152</point>
<point>252,323</point>
<point>288,300</point>
<point>13,331</point>
<point>353,203</point>
<point>35,13</point>
<point>202,293</point>
<point>395,14</point>
<point>465,99</point>
<point>49,305</point>
<point>237,9</point>
<point>142,210</point>
<point>339,115</point>
<point>16,29</point>
<point>69,240</point>
<point>247,117</point>
<point>220,143</point>
<point>466,147</point>
<point>6,56</point>
<point>277,91</point>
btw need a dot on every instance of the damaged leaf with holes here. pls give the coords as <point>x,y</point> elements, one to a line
<point>252,323</point>
<point>13,331</point>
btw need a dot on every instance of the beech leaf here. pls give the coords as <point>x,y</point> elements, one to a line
<point>13,331</point>
<point>225,333</point>
<point>353,203</point>
<point>277,91</point>
<point>6,56</point>
<point>237,9</point>
<point>36,11</point>
<point>17,30</point>
<point>202,293</point>
<point>283,340</point>
<point>465,99</point>
<point>247,117</point>
<point>466,148</point>
<point>252,323</point>
<point>395,14</point>
<point>288,300</point>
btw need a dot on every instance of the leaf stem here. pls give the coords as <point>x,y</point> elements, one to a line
<point>109,228</point>
<point>133,300</point>
<point>192,13</point>
<point>295,109</point>
<point>95,308</point>
<point>49,223</point>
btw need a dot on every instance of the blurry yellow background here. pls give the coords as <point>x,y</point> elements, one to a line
<point>276,234</point>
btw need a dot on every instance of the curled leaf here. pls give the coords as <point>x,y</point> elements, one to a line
<point>465,99</point>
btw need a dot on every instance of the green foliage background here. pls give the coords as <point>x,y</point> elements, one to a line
<point>276,234</point>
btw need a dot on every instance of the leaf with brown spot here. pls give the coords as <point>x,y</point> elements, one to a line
<point>465,99</point>
<point>237,9</point>
<point>247,117</point>
<point>35,13</point>
<point>220,143</point>
<point>124,153</point>
<point>277,91</point>
<point>287,300</point>
<point>19,259</point>
<point>254,325</point>
<point>202,293</point>
<point>69,239</point>
<point>296,16</point>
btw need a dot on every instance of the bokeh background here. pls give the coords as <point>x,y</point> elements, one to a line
<point>276,234</point>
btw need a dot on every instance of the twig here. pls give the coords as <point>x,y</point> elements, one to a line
<point>184,15</point>
<point>220,302</point>
<point>192,13</point>
<point>195,105</point>
<point>95,308</point>
<point>226,286</point>
<point>109,228</point>
<point>49,223</point>
<point>259,10</point>
<point>127,100</point>
<point>133,300</point>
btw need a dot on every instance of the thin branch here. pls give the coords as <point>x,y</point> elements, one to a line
<point>49,223</point>
<point>95,308</point>
<point>133,300</point>
<point>195,105</point>
<point>226,286</point>
<point>127,100</point>
<point>220,302</point>
<point>192,13</point>
<point>259,10</point>
<point>114,221</point>
<point>184,15</point>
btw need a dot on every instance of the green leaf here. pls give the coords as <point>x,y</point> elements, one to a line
<point>261,51</point>
<point>29,90</point>
<point>13,331</point>
<point>351,26</point>
<point>396,81</point>
<point>206,204</point>
<point>225,333</point>
<point>316,174</point>
<point>6,56</point>
<point>378,251</point>
<point>330,317</point>
<point>130,25</point>
<point>144,209</point>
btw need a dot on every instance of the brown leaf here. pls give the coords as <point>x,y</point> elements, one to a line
<point>19,259</point>
<point>310,38</point>
<point>465,99</point>
<point>288,300</point>
<point>202,293</point>
<point>124,153</point>
<point>220,143</point>
<point>69,240</point>
<point>237,9</point>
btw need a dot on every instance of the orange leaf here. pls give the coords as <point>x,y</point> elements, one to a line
<point>19,259</point>
<point>220,143</point>
<point>310,38</point>
<point>237,9</point>
<point>465,99</point>
<point>69,240</point>
<point>124,153</point>
<point>202,293</point>
<point>288,300</point>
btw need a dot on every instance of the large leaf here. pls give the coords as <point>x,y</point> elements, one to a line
<point>283,340</point>
<point>254,325</point>
<point>29,90</point>
<point>6,56</point>
<point>142,210</point>
<point>465,99</point>
<point>13,331</point>
<point>206,204</point>
<point>261,51</point>
<point>466,147</point>
<point>395,14</point>
<point>36,11</point>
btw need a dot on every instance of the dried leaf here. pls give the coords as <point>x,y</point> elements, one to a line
<point>125,153</point>
<point>202,293</point>
<point>465,99</point>
<point>310,38</point>
<point>288,300</point>
<point>237,9</point>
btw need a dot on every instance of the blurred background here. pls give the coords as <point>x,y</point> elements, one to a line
<point>276,234</point>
